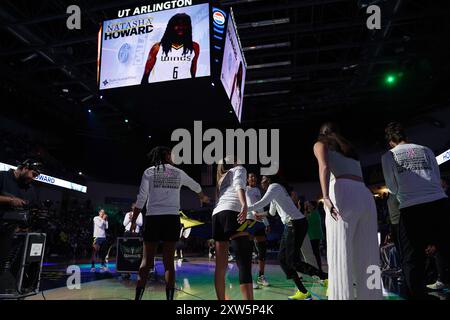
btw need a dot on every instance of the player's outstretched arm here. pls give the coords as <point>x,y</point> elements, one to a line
<point>151,61</point>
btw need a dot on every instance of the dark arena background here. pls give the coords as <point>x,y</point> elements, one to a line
<point>89,88</point>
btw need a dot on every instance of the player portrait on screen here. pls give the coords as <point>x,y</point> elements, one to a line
<point>236,89</point>
<point>176,55</point>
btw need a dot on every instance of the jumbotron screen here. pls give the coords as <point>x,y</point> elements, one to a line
<point>234,68</point>
<point>155,47</point>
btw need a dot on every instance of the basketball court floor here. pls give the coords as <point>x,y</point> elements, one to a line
<point>195,281</point>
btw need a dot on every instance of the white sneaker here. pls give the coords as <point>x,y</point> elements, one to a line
<point>255,286</point>
<point>263,281</point>
<point>436,286</point>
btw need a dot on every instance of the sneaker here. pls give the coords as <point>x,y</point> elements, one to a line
<point>255,286</point>
<point>263,281</point>
<point>301,296</point>
<point>436,286</point>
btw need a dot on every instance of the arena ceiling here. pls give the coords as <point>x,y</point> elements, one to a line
<point>308,61</point>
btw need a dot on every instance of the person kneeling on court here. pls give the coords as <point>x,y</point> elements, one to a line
<point>160,192</point>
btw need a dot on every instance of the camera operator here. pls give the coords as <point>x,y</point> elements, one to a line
<point>16,193</point>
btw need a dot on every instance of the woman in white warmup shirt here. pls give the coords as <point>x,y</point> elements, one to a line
<point>296,227</point>
<point>228,224</point>
<point>351,220</point>
<point>160,193</point>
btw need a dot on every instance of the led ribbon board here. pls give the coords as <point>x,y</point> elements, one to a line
<point>443,157</point>
<point>50,180</point>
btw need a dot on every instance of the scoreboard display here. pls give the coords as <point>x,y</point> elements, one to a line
<point>155,47</point>
<point>234,68</point>
<point>170,41</point>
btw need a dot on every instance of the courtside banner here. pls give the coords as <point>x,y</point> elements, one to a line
<point>156,46</point>
<point>50,180</point>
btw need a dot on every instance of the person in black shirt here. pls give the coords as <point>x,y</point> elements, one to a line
<point>16,192</point>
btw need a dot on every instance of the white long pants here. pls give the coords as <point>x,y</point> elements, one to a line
<point>352,241</point>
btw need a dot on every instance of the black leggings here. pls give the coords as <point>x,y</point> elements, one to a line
<point>243,249</point>
<point>290,247</point>
<point>416,233</point>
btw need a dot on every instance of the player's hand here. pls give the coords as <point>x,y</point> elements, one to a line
<point>133,227</point>
<point>333,211</point>
<point>205,199</point>
<point>130,216</point>
<point>105,217</point>
<point>242,217</point>
<point>17,202</point>
<point>258,216</point>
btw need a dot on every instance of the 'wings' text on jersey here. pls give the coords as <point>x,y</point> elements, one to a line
<point>173,66</point>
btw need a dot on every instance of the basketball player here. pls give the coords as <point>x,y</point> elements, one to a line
<point>296,227</point>
<point>100,226</point>
<point>160,193</point>
<point>229,221</point>
<point>259,228</point>
<point>176,56</point>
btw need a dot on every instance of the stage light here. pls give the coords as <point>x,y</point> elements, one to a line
<point>391,79</point>
<point>101,97</point>
<point>80,173</point>
<point>90,111</point>
<point>213,84</point>
<point>126,120</point>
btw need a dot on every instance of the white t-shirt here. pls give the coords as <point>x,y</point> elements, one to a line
<point>253,195</point>
<point>160,190</point>
<point>280,202</point>
<point>234,180</point>
<point>100,227</point>
<point>412,174</point>
<point>173,66</point>
<point>127,222</point>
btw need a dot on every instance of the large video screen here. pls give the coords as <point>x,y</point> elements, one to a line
<point>155,47</point>
<point>234,68</point>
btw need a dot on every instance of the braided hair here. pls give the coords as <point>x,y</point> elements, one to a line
<point>158,156</point>
<point>170,35</point>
